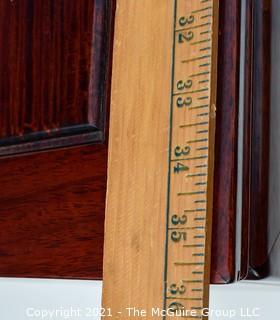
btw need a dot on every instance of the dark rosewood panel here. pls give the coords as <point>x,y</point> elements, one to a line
<point>52,213</point>
<point>52,203</point>
<point>225,179</point>
<point>53,68</point>
<point>247,139</point>
<point>256,141</point>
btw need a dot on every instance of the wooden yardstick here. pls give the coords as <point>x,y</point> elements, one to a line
<point>159,200</point>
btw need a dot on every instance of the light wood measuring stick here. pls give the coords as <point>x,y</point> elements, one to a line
<point>161,150</point>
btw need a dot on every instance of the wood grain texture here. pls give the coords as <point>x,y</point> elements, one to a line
<point>246,175</point>
<point>52,203</point>
<point>160,169</point>
<point>53,56</point>
<point>51,214</point>
<point>258,120</point>
<point>260,139</point>
<point>138,159</point>
<point>225,179</point>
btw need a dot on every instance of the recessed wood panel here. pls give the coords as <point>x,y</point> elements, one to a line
<point>52,203</point>
<point>52,213</point>
<point>52,73</point>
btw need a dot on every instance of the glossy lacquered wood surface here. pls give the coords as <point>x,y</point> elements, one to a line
<point>52,212</point>
<point>256,151</point>
<point>52,73</point>
<point>52,203</point>
<point>225,185</point>
<point>246,183</point>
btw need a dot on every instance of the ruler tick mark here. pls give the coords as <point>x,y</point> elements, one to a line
<point>200,41</point>
<point>202,148</point>
<point>192,158</point>
<point>193,27</point>
<point>199,218</point>
<point>200,201</point>
<point>194,124</point>
<point>204,65</point>
<point>203,114</point>
<point>202,9</point>
<point>197,58</point>
<point>194,210</point>
<point>197,272</point>
<point>205,49</point>
<point>189,263</point>
<point>201,166</point>
<point>190,193</point>
<point>193,281</point>
<point>203,98</point>
<point>203,81</point>
<point>184,298</point>
<point>188,92</point>
<point>200,183</point>
<point>199,74</point>
<point>197,140</point>
<point>199,107</point>
<point>200,245</point>
<point>206,16</point>
<point>202,131</point>
<point>199,236</point>
<point>192,175</point>
<point>205,32</point>
<point>185,228</point>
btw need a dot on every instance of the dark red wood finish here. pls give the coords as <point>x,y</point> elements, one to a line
<point>246,183</point>
<point>52,212</point>
<point>225,179</point>
<point>52,203</point>
<point>256,142</point>
<point>53,57</point>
